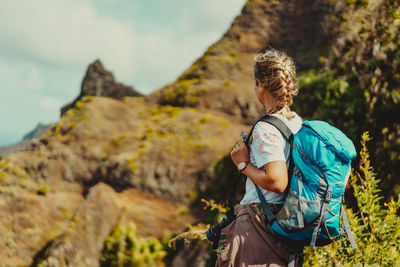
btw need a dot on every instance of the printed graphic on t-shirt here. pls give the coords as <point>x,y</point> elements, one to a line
<point>267,145</point>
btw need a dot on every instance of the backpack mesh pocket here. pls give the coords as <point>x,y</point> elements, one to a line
<point>298,213</point>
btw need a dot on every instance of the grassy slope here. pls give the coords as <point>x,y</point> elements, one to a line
<point>158,150</point>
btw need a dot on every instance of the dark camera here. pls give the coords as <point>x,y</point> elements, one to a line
<point>214,232</point>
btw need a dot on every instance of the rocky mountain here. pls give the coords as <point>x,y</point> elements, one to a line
<point>39,130</point>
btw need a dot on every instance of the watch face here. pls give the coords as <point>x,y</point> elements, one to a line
<point>241,165</point>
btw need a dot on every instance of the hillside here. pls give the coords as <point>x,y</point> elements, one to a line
<point>162,151</point>
<point>222,78</point>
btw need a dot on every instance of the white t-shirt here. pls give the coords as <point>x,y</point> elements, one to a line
<point>269,145</point>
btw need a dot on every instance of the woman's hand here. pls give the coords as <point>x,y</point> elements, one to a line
<point>240,153</point>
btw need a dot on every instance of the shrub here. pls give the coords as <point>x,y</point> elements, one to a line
<point>124,248</point>
<point>180,94</point>
<point>44,190</point>
<point>360,81</point>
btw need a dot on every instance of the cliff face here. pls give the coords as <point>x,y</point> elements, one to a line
<point>222,78</point>
<point>144,158</point>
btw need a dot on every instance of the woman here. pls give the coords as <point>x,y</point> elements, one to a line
<point>246,242</point>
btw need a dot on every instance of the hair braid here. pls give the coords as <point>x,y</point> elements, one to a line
<point>277,73</point>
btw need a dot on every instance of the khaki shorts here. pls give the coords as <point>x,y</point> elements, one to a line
<point>246,242</point>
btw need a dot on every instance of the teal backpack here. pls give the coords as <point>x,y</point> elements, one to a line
<point>319,168</point>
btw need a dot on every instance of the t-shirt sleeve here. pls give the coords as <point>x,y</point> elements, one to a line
<point>268,144</point>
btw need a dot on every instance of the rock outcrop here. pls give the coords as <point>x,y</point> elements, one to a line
<point>100,82</point>
<point>82,241</point>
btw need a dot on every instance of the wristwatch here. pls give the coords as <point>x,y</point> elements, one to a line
<point>242,165</point>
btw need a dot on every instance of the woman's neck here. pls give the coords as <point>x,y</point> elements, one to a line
<point>285,112</point>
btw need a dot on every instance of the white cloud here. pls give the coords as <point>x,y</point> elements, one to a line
<point>20,76</point>
<point>207,16</point>
<point>65,33</point>
<point>32,80</point>
<point>48,103</point>
<point>60,33</point>
<point>22,112</point>
<point>162,56</point>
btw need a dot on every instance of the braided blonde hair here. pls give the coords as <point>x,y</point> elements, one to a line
<point>277,73</point>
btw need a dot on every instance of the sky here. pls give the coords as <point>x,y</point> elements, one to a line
<point>47,45</point>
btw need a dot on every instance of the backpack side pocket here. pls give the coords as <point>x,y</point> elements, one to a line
<point>297,213</point>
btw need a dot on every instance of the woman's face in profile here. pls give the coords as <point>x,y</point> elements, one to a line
<point>264,96</point>
<point>258,89</point>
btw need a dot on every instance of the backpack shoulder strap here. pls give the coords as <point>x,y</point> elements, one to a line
<point>288,135</point>
<point>277,123</point>
<point>280,125</point>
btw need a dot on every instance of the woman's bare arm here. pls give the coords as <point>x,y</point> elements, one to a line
<point>274,178</point>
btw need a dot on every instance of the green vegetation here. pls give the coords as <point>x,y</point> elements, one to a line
<point>44,190</point>
<point>132,164</point>
<point>124,248</point>
<point>62,129</point>
<point>117,141</point>
<point>359,86</point>
<point>78,105</point>
<point>226,173</point>
<point>4,166</point>
<point>325,96</point>
<point>87,98</point>
<point>7,168</point>
<point>167,126</point>
<point>180,94</point>
<point>217,63</point>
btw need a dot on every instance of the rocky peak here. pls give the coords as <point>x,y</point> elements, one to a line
<point>100,82</point>
<point>296,27</point>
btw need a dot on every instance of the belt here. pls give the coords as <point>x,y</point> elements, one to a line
<point>259,210</point>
